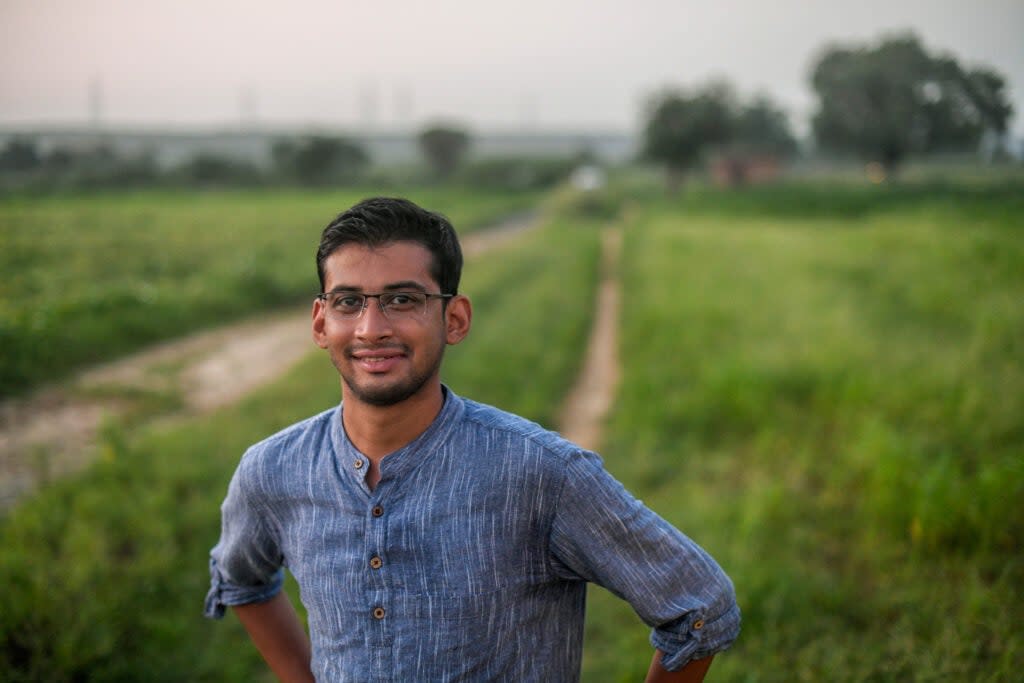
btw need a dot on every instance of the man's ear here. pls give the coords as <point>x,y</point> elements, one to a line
<point>319,323</point>
<point>458,317</point>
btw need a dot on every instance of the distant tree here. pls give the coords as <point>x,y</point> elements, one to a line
<point>444,147</point>
<point>60,160</point>
<point>763,126</point>
<point>212,169</point>
<point>20,154</point>
<point>681,126</point>
<point>319,159</point>
<point>893,99</point>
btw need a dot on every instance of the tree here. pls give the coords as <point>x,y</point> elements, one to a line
<point>762,126</point>
<point>20,155</point>
<point>681,126</point>
<point>893,99</point>
<point>319,159</point>
<point>444,147</point>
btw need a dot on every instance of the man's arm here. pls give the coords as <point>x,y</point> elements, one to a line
<point>693,672</point>
<point>278,634</point>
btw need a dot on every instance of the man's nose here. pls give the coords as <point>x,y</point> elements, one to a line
<point>372,323</point>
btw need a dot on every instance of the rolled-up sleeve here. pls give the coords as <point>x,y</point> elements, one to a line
<point>601,533</point>
<point>246,565</point>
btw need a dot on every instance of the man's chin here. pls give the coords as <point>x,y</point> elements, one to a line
<point>383,396</point>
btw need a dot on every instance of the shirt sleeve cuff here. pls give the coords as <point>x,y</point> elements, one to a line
<point>223,593</point>
<point>693,637</point>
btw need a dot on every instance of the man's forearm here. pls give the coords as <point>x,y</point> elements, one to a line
<point>693,672</point>
<point>278,634</point>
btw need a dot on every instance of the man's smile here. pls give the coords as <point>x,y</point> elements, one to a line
<point>378,359</point>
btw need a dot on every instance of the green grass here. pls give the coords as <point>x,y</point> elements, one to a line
<point>544,291</point>
<point>830,403</point>
<point>105,573</point>
<point>89,278</point>
<point>839,419</point>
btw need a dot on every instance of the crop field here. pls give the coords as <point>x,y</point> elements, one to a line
<point>839,418</point>
<point>823,386</point>
<point>89,278</point>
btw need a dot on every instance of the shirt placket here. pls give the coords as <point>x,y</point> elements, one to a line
<point>380,616</point>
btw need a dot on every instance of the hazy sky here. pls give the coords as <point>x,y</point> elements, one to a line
<point>394,63</point>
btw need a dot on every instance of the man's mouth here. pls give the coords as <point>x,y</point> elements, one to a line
<point>378,359</point>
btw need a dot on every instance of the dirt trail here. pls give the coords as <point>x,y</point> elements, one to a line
<point>587,404</point>
<point>53,432</point>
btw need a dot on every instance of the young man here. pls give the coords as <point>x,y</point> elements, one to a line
<point>435,538</point>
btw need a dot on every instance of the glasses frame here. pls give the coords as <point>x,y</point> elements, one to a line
<point>323,296</point>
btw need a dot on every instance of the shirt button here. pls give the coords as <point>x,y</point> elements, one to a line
<point>377,511</point>
<point>376,562</point>
<point>698,625</point>
<point>358,464</point>
<point>378,613</point>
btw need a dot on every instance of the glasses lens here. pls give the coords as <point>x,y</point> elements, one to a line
<point>345,304</point>
<point>393,304</point>
<point>399,304</point>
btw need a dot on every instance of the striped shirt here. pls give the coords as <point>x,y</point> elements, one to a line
<point>469,559</point>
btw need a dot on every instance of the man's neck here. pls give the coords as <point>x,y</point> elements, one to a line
<point>379,430</point>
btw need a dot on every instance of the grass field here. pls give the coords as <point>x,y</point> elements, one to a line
<point>840,420</point>
<point>89,278</point>
<point>830,401</point>
<point>105,573</point>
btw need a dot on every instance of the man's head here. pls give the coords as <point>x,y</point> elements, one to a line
<point>384,220</point>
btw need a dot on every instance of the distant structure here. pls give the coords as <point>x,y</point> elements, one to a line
<point>403,106</point>
<point>367,115</point>
<point>95,97</point>
<point>529,112</point>
<point>736,170</point>
<point>248,108</point>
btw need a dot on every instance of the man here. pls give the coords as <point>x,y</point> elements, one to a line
<point>435,538</point>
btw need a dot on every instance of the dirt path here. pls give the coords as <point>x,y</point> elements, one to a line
<point>53,432</point>
<point>587,404</point>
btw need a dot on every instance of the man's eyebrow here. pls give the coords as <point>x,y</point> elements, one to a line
<point>405,284</point>
<point>393,287</point>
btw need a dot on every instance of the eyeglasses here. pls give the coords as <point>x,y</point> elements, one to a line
<point>394,305</point>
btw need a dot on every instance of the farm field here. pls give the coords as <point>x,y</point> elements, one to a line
<point>90,278</point>
<point>838,416</point>
<point>822,386</point>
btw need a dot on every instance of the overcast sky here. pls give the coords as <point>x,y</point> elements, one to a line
<point>394,63</point>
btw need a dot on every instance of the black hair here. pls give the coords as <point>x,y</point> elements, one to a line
<point>379,221</point>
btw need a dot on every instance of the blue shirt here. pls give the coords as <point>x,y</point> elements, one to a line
<point>469,559</point>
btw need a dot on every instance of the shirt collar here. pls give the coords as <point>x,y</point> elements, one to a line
<point>399,463</point>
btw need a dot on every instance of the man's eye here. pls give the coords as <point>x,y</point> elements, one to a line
<point>402,301</point>
<point>348,302</point>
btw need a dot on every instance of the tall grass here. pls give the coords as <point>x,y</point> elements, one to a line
<point>104,574</point>
<point>834,407</point>
<point>90,278</point>
<point>830,403</point>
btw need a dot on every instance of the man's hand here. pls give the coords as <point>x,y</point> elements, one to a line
<point>691,673</point>
<point>278,634</point>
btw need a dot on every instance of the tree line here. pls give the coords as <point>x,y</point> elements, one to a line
<point>883,102</point>
<point>305,160</point>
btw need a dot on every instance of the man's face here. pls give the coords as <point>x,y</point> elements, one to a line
<point>386,360</point>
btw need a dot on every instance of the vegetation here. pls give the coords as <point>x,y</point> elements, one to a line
<point>517,173</point>
<point>683,127</point>
<point>443,148</point>
<point>893,99</point>
<point>680,127</point>
<point>832,405</point>
<point>90,278</point>
<point>104,575</point>
<point>821,385</point>
<point>320,160</point>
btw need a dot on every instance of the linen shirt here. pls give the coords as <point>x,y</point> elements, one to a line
<point>469,559</point>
